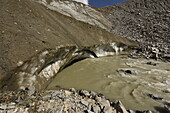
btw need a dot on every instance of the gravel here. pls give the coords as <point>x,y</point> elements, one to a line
<point>57,101</point>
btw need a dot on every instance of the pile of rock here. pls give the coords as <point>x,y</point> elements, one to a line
<point>58,101</point>
<point>145,21</point>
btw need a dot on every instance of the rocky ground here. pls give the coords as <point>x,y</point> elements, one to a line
<point>26,25</point>
<point>59,101</point>
<point>145,21</point>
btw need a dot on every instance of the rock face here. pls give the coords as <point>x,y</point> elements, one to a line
<point>28,29</point>
<point>146,21</point>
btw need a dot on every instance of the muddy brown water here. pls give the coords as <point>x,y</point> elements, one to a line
<point>140,84</point>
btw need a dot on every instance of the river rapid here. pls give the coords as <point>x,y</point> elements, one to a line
<point>140,84</point>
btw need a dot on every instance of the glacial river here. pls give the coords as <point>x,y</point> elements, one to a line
<point>140,84</point>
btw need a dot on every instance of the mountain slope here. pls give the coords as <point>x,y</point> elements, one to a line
<point>147,21</point>
<point>28,28</point>
<point>78,11</point>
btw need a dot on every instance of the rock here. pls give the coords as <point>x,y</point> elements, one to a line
<point>72,90</point>
<point>21,91</point>
<point>109,110</point>
<point>84,93</point>
<point>31,90</point>
<point>91,101</point>
<point>101,95</point>
<point>33,97</point>
<point>84,102</point>
<point>68,93</point>
<point>127,72</point>
<point>151,63</point>
<point>109,76</point>
<point>88,111</point>
<point>167,90</point>
<point>104,104</point>
<point>167,108</point>
<point>131,111</point>
<point>120,108</point>
<point>24,104</point>
<point>55,93</point>
<point>90,107</point>
<point>167,103</point>
<point>149,111</point>
<point>143,111</point>
<point>155,97</point>
<point>98,99</point>
<point>11,105</point>
<point>3,107</point>
<point>92,94</point>
<point>47,97</point>
<point>61,96</point>
<point>155,50</point>
<point>96,108</point>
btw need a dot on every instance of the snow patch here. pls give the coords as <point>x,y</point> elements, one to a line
<point>80,12</point>
<point>82,1</point>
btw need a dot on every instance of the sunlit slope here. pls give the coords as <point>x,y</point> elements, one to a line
<point>27,27</point>
<point>147,21</point>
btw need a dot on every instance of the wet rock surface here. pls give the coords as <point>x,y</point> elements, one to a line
<point>58,101</point>
<point>155,97</point>
<point>126,72</point>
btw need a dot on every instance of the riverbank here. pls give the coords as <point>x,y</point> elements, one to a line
<point>140,84</point>
<point>59,101</point>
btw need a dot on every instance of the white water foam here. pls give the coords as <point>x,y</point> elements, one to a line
<point>100,51</point>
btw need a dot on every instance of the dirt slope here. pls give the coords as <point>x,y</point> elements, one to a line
<point>27,27</point>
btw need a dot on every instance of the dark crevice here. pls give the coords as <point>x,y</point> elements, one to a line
<point>75,61</point>
<point>86,51</point>
<point>84,54</point>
